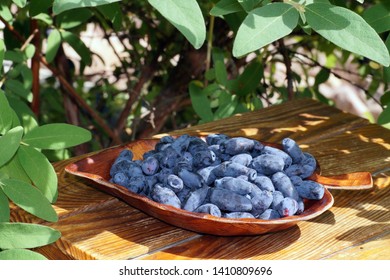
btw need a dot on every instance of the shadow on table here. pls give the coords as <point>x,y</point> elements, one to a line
<point>237,247</point>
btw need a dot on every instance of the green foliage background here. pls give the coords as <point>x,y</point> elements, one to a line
<point>179,62</point>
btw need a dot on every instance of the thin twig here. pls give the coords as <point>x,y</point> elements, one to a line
<point>209,46</point>
<point>287,62</point>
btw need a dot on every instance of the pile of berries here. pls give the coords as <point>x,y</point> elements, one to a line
<point>231,177</point>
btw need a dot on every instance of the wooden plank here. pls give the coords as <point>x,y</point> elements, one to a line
<point>305,121</point>
<point>377,249</point>
<point>114,230</point>
<point>355,218</point>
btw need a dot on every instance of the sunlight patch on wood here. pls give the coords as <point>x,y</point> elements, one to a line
<point>250,131</point>
<point>292,129</point>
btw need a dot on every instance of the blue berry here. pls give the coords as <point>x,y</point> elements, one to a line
<point>261,202</point>
<point>190,179</point>
<point>277,198</point>
<point>267,164</point>
<point>237,145</point>
<point>269,214</point>
<point>209,208</point>
<point>150,166</point>
<point>230,201</point>
<point>165,195</point>
<point>287,207</point>
<point>264,183</point>
<point>238,215</point>
<point>292,148</point>
<point>244,159</point>
<point>279,153</point>
<point>283,184</point>
<point>311,190</point>
<point>236,185</point>
<point>121,179</point>
<point>196,198</point>
<point>174,182</point>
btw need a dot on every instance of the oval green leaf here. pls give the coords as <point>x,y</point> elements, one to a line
<point>4,207</point>
<point>53,43</point>
<point>186,16</point>
<point>60,6</point>
<point>73,18</point>
<point>2,51</point>
<point>225,7</point>
<point>56,136</point>
<point>200,101</point>
<point>40,171</point>
<point>21,254</point>
<point>5,114</point>
<point>23,235</point>
<point>263,26</point>
<point>20,3</point>
<point>384,117</point>
<point>78,45</point>
<point>347,30</point>
<point>13,169</point>
<point>9,144</point>
<point>378,16</point>
<point>29,198</point>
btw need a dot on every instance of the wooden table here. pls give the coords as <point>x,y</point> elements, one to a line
<point>95,225</point>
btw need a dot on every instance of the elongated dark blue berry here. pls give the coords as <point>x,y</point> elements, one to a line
<point>264,183</point>
<point>292,148</point>
<point>279,153</point>
<point>230,201</point>
<point>209,208</point>
<point>269,214</point>
<point>238,215</point>
<point>311,190</point>
<point>283,184</point>
<point>196,198</point>
<point>150,166</point>
<point>174,182</point>
<point>165,196</point>
<point>236,185</point>
<point>267,164</point>
<point>287,207</point>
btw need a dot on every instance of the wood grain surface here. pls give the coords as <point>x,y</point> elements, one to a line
<point>95,225</point>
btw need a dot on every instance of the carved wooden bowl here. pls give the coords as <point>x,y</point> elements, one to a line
<point>96,169</point>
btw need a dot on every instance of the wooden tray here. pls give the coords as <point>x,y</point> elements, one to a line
<point>96,169</point>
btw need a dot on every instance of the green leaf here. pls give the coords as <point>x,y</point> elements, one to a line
<point>73,18</point>
<point>225,7</point>
<point>23,235</point>
<point>78,45</point>
<point>113,13</point>
<point>378,16</point>
<point>220,72</point>
<point>384,117</point>
<point>21,254</point>
<point>18,88</point>
<point>385,99</point>
<point>29,51</point>
<point>5,12</point>
<point>265,25</point>
<point>60,6</point>
<point>5,114</point>
<point>15,56</point>
<point>9,144</point>
<point>227,104</point>
<point>13,169</point>
<point>20,3</point>
<point>24,114</point>
<point>56,136</point>
<point>200,102</point>
<point>4,207</point>
<point>186,16</point>
<point>347,30</point>
<point>44,18</point>
<point>322,76</point>
<point>249,5</point>
<point>53,43</point>
<point>29,198</point>
<point>249,80</point>
<point>2,51</point>
<point>40,171</point>
<point>39,6</point>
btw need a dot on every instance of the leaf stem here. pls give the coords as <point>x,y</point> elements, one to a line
<point>209,46</point>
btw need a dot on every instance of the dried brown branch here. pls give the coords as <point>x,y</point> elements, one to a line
<point>287,62</point>
<point>35,67</point>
